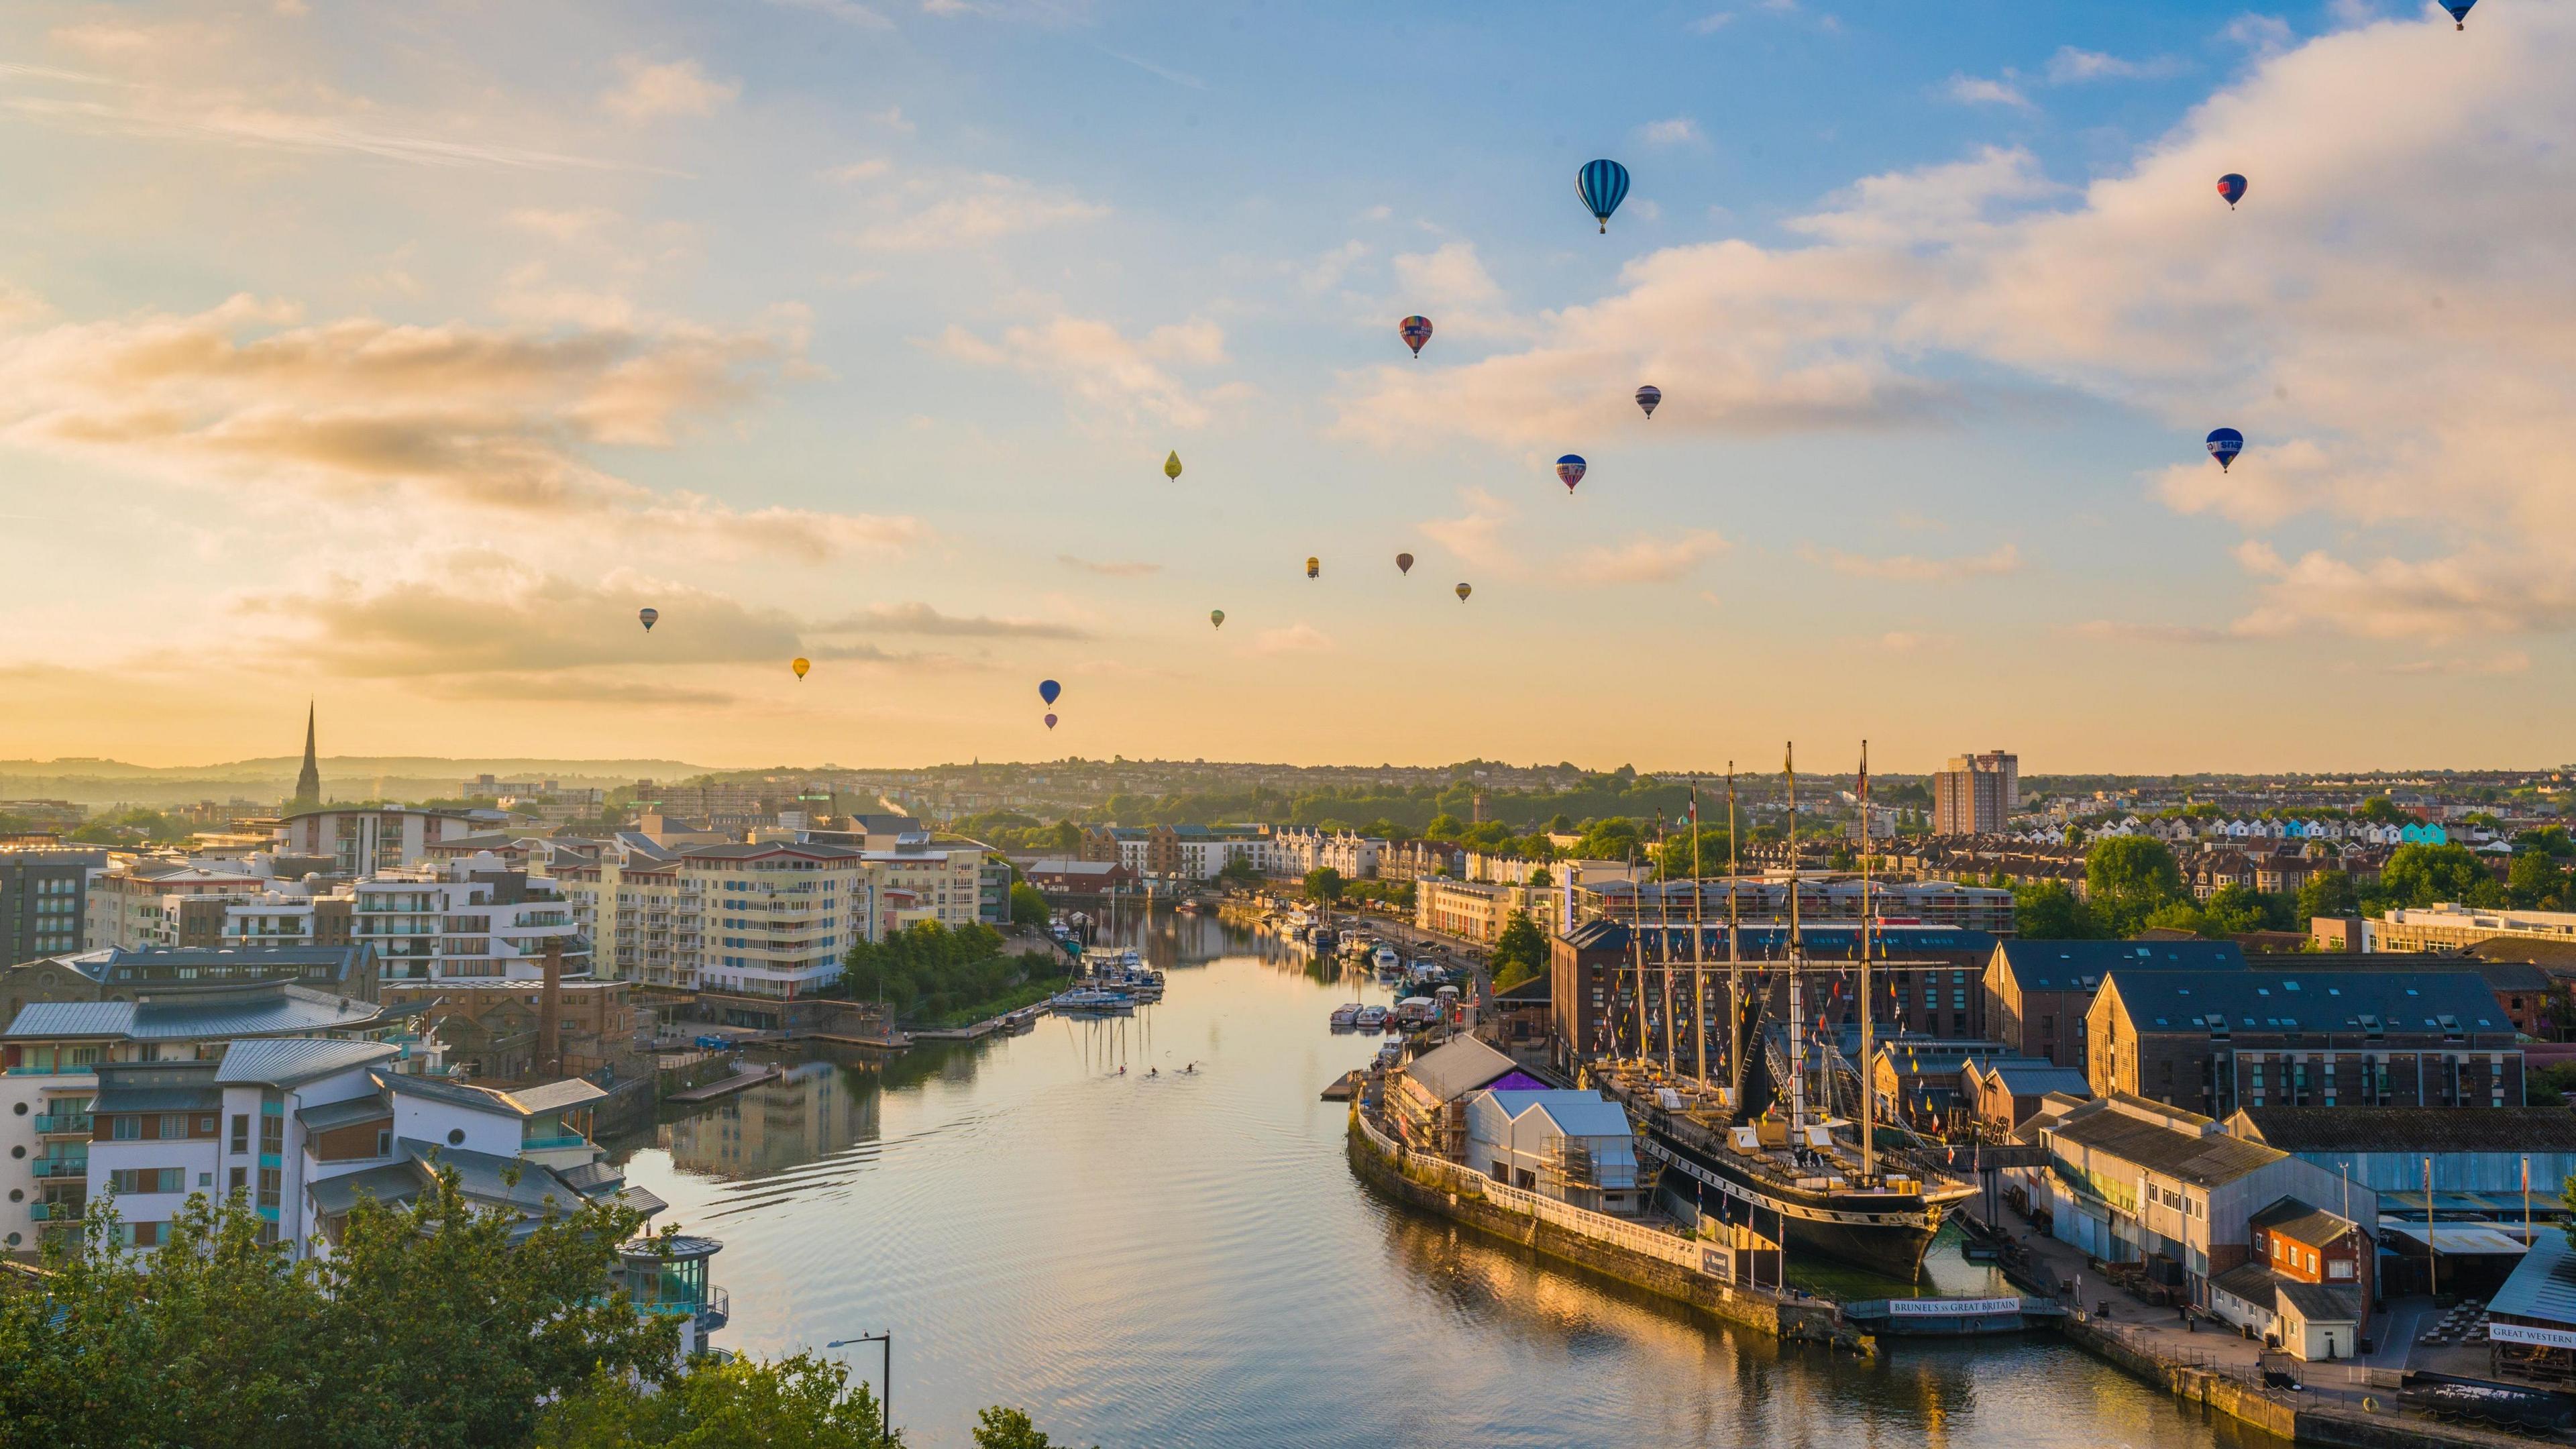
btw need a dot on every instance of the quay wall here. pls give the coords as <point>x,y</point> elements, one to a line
<point>1426,1187</point>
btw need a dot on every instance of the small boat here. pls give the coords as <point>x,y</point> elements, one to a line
<point>1372,1017</point>
<point>1387,959</point>
<point>1093,1001</point>
<point>1346,1016</point>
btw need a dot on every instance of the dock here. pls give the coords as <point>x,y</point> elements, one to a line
<point>1346,1086</point>
<point>981,1029</point>
<point>725,1086</point>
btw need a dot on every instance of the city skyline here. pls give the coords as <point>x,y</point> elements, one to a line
<point>862,334</point>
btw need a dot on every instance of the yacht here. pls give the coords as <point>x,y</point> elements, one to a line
<point>1346,1016</point>
<point>1371,1017</point>
<point>1387,960</point>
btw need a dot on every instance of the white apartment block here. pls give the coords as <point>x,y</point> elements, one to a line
<point>134,900</point>
<point>1299,849</point>
<point>774,919</point>
<point>470,918</point>
<point>926,883</point>
<point>360,841</point>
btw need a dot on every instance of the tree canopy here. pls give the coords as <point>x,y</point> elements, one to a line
<point>1520,952</point>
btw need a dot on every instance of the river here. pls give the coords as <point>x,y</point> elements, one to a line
<point>1185,1259</point>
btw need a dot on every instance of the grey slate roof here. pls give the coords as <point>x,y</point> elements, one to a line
<point>261,1009</point>
<point>72,1018</point>
<point>291,1061</point>
<point>2201,1161</point>
<point>2322,1303</point>
<point>1452,1071</point>
<point>2250,1281</point>
<point>2067,965</point>
<point>2542,1289</point>
<point>2038,1080</point>
<point>340,1114</point>
<point>515,1102</point>
<point>392,1183</point>
<point>2269,998</point>
<point>2408,1129</point>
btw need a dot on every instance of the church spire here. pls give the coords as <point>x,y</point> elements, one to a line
<point>308,785</point>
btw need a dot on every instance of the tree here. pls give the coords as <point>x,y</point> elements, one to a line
<point>2127,877</point>
<point>1240,871</point>
<point>999,1428</point>
<point>2536,882</point>
<point>1029,906</point>
<point>2049,911</point>
<point>1539,878</point>
<point>2328,893</point>
<point>1520,953</point>
<point>2425,875</point>
<point>2380,810</point>
<point>798,1402</point>
<point>2550,839</point>
<point>1323,885</point>
<point>1444,826</point>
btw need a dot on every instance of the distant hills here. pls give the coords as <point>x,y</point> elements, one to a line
<point>344,777</point>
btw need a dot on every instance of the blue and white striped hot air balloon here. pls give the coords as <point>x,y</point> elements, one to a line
<point>1602,185</point>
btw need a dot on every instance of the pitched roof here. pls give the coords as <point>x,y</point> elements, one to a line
<point>2272,998</point>
<point>2027,1079</point>
<point>2543,1286</point>
<point>1576,1114</point>
<point>362,1108</point>
<point>293,1060</point>
<point>2321,1303</point>
<point>2078,965</point>
<point>1452,1071</point>
<point>2250,1281</point>
<point>515,1102</point>
<point>2408,1129</point>
<point>2313,1226</point>
<point>2200,1161</point>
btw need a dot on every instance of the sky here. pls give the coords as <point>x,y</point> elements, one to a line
<point>393,355</point>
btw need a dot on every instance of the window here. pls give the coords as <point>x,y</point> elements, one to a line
<point>146,1235</point>
<point>174,1125</point>
<point>239,1180</point>
<point>270,1179</point>
<point>128,1180</point>
<point>272,1136</point>
<point>241,1133</point>
<point>127,1129</point>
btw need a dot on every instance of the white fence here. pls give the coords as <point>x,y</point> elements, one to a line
<point>1654,1243</point>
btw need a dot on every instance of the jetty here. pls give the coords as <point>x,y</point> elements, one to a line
<point>742,1078</point>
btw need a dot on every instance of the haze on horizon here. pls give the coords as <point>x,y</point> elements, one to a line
<point>395,355</point>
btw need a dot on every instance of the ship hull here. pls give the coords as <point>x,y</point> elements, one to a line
<point>1883,1234</point>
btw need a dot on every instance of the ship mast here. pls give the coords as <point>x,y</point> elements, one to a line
<point>1797,953</point>
<point>1699,987</point>
<point>1637,946</point>
<point>1868,1066</point>
<point>1734,960</point>
<point>1664,957</point>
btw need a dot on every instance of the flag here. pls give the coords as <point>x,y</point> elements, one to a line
<point>1694,806</point>
<point>1864,772</point>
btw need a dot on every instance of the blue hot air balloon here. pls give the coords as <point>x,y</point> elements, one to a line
<point>2459,12</point>
<point>1570,469</point>
<point>1048,689</point>
<point>1602,185</point>
<point>649,616</point>
<point>2224,445</point>
<point>2231,187</point>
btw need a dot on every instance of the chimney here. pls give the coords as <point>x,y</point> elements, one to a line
<point>550,1014</point>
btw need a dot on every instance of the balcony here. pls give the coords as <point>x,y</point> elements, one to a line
<point>56,1169</point>
<point>548,1144</point>
<point>64,1124</point>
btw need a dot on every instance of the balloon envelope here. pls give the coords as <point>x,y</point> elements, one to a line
<point>2231,187</point>
<point>648,616</point>
<point>1415,331</point>
<point>1048,689</point>
<point>1217,617</point>
<point>1570,469</point>
<point>1648,396</point>
<point>1172,464</point>
<point>2224,445</point>
<point>1602,185</point>
<point>1463,592</point>
<point>800,666</point>
<point>2459,12</point>
<point>1050,721</point>
<point>1404,563</point>
<point>1314,567</point>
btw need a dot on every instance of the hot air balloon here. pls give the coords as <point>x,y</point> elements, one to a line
<point>2231,187</point>
<point>1217,617</point>
<point>1415,331</point>
<point>2224,445</point>
<point>1048,689</point>
<point>1648,396</point>
<point>1404,563</point>
<point>1172,465</point>
<point>2459,12</point>
<point>1570,469</point>
<point>1314,567</point>
<point>800,666</point>
<point>1050,721</point>
<point>1463,592</point>
<point>1602,185</point>
<point>648,616</point>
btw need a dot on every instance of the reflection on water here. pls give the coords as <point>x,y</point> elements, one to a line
<point>1167,1258</point>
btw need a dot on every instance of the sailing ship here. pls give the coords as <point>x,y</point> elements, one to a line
<point>1754,1152</point>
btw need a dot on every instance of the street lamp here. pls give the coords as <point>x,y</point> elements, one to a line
<point>885,1381</point>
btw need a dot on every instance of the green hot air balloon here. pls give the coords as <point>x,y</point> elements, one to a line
<point>1172,465</point>
<point>1217,617</point>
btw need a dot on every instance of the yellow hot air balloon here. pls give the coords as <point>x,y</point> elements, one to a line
<point>800,666</point>
<point>1463,592</point>
<point>1314,567</point>
<point>1172,464</point>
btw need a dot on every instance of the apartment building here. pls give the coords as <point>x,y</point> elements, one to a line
<point>44,893</point>
<point>2453,927</point>
<point>926,882</point>
<point>625,898</point>
<point>1297,849</point>
<point>1192,852</point>
<point>140,900</point>
<point>119,974</point>
<point>360,840</point>
<point>775,919</point>
<point>1976,794</point>
<point>467,918</point>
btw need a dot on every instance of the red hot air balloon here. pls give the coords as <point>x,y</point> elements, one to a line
<point>1050,721</point>
<point>1415,331</point>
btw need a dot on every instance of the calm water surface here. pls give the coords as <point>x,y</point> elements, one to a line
<point>1186,1260</point>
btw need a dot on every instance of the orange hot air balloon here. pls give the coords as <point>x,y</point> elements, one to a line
<point>800,666</point>
<point>1314,567</point>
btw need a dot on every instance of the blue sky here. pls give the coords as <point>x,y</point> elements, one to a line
<point>395,354</point>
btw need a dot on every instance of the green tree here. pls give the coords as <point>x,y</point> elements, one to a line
<point>1323,885</point>
<point>999,1428</point>
<point>1240,871</point>
<point>798,1402</point>
<point>2550,839</point>
<point>2424,875</point>
<point>2380,810</point>
<point>1540,879</point>
<point>1520,953</point>
<point>2049,911</point>
<point>1444,826</point>
<point>2127,877</point>
<point>1029,906</point>
<point>2328,893</point>
<point>2536,882</point>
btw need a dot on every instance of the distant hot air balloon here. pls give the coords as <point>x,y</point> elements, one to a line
<point>1570,469</point>
<point>1602,185</point>
<point>1463,592</point>
<point>1048,689</point>
<point>800,666</point>
<point>1050,721</point>
<point>1314,567</point>
<point>1404,563</point>
<point>2459,12</point>
<point>1648,396</point>
<point>2224,445</point>
<point>1415,331</point>
<point>648,616</point>
<point>2231,187</point>
<point>1217,617</point>
<point>1172,465</point>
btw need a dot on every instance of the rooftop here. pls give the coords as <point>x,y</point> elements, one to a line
<point>266,1009</point>
<point>1452,1071</point>
<point>2543,1287</point>
<point>291,1061</point>
<point>2160,1146</point>
<point>2270,998</point>
<point>2408,1129</point>
<point>2081,965</point>
<point>516,1101</point>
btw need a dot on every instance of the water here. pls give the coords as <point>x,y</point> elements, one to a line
<point>1186,1260</point>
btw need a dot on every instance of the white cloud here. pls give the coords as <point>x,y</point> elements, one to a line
<point>1677,131</point>
<point>567,225</point>
<point>2262,34</point>
<point>1711,23</point>
<point>923,619</point>
<point>1970,90</point>
<point>859,171</point>
<point>1104,368</point>
<point>1908,641</point>
<point>848,12</point>
<point>1291,639</point>
<point>1476,535</point>
<point>1908,568</point>
<point>2478,593</point>
<point>2070,66</point>
<point>673,88</point>
<point>1111,568</point>
<point>938,213</point>
<point>1646,559</point>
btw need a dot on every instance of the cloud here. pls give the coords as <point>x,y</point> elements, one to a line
<point>1907,568</point>
<point>565,225</point>
<point>2263,34</point>
<point>1109,372</point>
<point>2478,593</point>
<point>1453,275</point>
<point>1291,639</point>
<point>673,88</point>
<point>1711,23</point>
<point>859,171</point>
<point>2510,662</point>
<point>1646,559</point>
<point>1111,568</point>
<point>848,12</point>
<point>923,619</point>
<point>2070,66</point>
<point>1678,131</point>
<point>2117,631</point>
<point>1178,78</point>
<point>1902,641</point>
<point>1476,535</point>
<point>1969,90</point>
<point>935,214</point>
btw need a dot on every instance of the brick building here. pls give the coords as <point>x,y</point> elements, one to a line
<point>2038,992</point>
